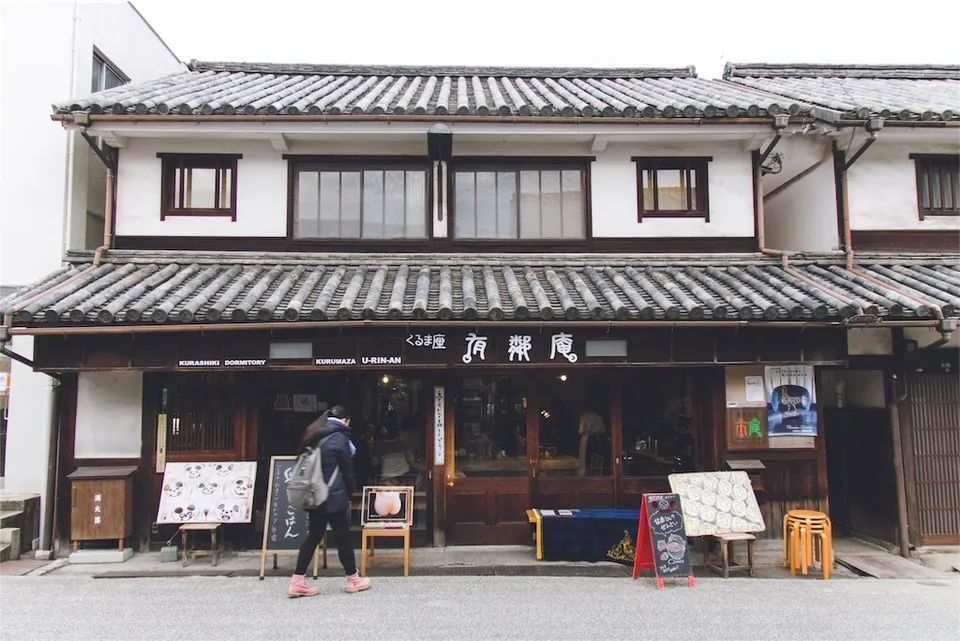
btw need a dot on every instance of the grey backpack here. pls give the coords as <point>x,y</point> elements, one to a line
<point>306,488</point>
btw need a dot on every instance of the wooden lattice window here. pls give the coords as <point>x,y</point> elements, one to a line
<point>199,185</point>
<point>200,412</point>
<point>938,184</point>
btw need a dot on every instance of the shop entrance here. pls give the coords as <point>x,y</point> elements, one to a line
<point>389,419</point>
<point>557,440</point>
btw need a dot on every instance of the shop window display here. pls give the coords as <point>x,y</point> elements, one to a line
<point>574,421</point>
<point>657,415</point>
<point>491,426</point>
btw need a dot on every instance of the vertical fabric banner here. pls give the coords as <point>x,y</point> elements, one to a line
<point>791,401</point>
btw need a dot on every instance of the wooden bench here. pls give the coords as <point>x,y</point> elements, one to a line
<point>726,542</point>
<point>192,553</point>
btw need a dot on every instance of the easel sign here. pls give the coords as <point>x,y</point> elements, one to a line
<point>662,540</point>
<point>284,526</point>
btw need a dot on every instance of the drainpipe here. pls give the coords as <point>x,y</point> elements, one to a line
<point>49,489</point>
<point>761,229</point>
<point>873,127</point>
<point>108,208</point>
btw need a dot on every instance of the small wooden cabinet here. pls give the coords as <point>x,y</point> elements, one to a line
<point>101,504</point>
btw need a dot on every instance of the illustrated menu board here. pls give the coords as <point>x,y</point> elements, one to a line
<point>661,539</point>
<point>717,502</point>
<point>219,492</point>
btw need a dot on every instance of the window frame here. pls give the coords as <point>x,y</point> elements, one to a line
<point>173,162</point>
<point>519,163</point>
<point>345,162</point>
<point>106,63</point>
<point>922,163</point>
<point>697,164</point>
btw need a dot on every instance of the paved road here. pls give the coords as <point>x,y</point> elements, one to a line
<point>215,609</point>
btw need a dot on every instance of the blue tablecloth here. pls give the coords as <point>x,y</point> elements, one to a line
<point>590,535</point>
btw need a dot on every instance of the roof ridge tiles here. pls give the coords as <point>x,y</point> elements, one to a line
<point>805,70</point>
<point>444,70</point>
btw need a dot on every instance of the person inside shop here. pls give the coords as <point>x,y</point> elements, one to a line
<point>392,454</point>
<point>331,433</point>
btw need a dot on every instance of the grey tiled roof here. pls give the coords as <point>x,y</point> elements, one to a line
<point>175,288</point>
<point>905,92</point>
<point>266,89</point>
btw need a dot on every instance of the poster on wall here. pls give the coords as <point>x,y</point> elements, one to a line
<point>220,492</point>
<point>791,401</point>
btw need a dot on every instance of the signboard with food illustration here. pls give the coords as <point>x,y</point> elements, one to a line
<point>791,401</point>
<point>387,506</point>
<point>717,502</point>
<point>220,492</point>
<point>661,540</point>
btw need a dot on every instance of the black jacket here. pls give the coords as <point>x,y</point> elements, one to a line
<point>336,453</point>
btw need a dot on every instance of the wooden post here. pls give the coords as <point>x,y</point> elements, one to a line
<point>616,432</point>
<point>903,530</point>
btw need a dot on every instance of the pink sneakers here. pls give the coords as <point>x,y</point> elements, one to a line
<point>298,587</point>
<point>356,583</point>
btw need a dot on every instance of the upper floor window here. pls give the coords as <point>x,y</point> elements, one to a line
<point>938,184</point>
<point>360,200</point>
<point>199,185</point>
<point>105,75</point>
<point>672,188</point>
<point>520,199</point>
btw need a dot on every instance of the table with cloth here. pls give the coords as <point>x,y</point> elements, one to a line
<point>588,535</point>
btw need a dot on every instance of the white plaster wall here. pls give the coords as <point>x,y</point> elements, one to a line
<point>882,187</point>
<point>28,430</point>
<point>803,216</point>
<point>262,186</point>
<point>874,341</point>
<point>926,335</point>
<point>109,415</point>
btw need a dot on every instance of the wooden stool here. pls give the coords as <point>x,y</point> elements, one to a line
<point>371,533</point>
<point>807,537</point>
<point>193,553</point>
<point>726,542</point>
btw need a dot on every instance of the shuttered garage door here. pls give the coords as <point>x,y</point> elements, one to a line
<point>932,440</point>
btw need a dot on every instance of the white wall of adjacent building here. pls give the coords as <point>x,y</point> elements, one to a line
<point>262,186</point>
<point>882,186</point>
<point>51,187</point>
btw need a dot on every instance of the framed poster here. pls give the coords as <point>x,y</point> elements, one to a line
<point>791,401</point>
<point>387,506</point>
<point>219,492</point>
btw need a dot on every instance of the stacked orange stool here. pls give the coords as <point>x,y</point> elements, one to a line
<point>807,536</point>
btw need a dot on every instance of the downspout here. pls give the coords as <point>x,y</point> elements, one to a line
<point>873,127</point>
<point>761,229</point>
<point>108,209</point>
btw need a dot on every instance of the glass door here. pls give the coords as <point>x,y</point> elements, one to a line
<point>488,492</point>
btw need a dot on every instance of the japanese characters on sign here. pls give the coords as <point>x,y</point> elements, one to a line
<point>428,341</point>
<point>97,509</point>
<point>438,425</point>
<point>520,348</point>
<point>747,427</point>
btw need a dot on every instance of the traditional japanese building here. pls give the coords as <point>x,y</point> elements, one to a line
<point>556,283</point>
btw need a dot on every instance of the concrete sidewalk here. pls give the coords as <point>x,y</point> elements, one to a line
<point>479,561</point>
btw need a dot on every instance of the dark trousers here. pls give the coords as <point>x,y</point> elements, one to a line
<point>340,524</point>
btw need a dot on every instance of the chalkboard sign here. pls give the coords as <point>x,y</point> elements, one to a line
<point>285,527</point>
<point>662,539</point>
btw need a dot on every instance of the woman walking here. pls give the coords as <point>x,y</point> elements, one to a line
<point>333,429</point>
